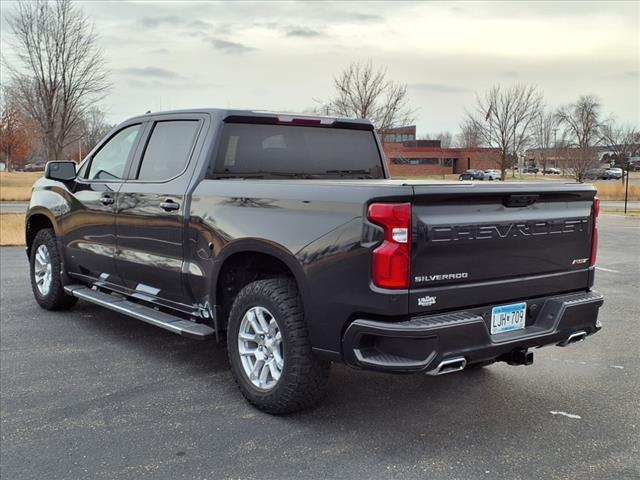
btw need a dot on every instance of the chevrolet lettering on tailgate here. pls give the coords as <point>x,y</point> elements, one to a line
<point>451,233</point>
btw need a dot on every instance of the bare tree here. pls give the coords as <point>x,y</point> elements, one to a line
<point>622,141</point>
<point>470,135</point>
<point>581,131</point>
<point>60,70</point>
<point>543,134</point>
<point>504,118</point>
<point>94,128</point>
<point>16,134</point>
<point>364,92</point>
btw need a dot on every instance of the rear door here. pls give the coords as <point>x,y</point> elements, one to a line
<point>481,244</point>
<point>151,209</point>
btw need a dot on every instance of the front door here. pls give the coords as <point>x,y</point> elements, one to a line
<point>89,228</point>
<point>151,212</point>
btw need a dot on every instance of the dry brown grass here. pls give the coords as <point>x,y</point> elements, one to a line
<point>16,186</point>
<point>615,191</point>
<point>11,229</point>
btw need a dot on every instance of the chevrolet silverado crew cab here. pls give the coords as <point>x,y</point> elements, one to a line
<point>285,234</point>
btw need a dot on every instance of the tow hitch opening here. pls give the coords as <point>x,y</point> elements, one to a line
<point>519,357</point>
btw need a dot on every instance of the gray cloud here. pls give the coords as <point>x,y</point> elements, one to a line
<point>230,47</point>
<point>200,24</point>
<point>365,17</point>
<point>152,22</point>
<point>438,87</point>
<point>303,32</point>
<point>174,21</point>
<point>149,72</point>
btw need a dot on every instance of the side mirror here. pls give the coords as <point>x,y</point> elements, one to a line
<point>60,170</point>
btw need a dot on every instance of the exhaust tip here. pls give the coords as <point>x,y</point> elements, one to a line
<point>449,365</point>
<point>575,337</point>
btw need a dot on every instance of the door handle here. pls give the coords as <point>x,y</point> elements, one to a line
<point>169,205</point>
<point>106,200</point>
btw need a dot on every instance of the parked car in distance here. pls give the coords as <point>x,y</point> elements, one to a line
<point>34,167</point>
<point>594,174</point>
<point>531,170</point>
<point>472,175</point>
<point>284,235</point>
<point>551,171</point>
<point>492,175</point>
<point>613,173</point>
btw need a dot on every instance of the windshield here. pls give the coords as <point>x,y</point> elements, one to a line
<point>288,151</point>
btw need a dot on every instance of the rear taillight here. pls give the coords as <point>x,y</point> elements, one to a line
<point>594,240</point>
<point>392,259</point>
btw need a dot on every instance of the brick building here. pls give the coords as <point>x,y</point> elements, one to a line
<point>407,156</point>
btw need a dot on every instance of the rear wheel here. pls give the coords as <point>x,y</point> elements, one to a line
<point>269,348</point>
<point>45,273</point>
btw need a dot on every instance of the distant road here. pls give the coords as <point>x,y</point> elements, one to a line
<point>619,204</point>
<point>16,207</point>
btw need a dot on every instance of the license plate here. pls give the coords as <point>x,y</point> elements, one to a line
<point>508,317</point>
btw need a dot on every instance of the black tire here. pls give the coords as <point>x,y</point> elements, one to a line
<point>55,298</point>
<point>303,375</point>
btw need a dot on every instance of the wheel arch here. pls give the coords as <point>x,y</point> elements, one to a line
<point>35,221</point>
<point>244,261</point>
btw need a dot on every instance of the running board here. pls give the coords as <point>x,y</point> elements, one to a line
<point>174,324</point>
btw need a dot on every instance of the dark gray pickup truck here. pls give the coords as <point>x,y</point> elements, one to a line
<point>286,233</point>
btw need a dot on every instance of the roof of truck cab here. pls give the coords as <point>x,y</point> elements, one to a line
<point>223,113</point>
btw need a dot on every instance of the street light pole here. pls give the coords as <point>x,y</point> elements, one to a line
<point>626,190</point>
<point>555,147</point>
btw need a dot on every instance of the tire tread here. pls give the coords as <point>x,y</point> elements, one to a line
<point>305,375</point>
<point>57,298</point>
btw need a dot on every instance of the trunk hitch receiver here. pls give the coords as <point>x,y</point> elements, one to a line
<point>520,356</point>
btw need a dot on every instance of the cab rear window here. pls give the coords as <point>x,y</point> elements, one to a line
<point>281,151</point>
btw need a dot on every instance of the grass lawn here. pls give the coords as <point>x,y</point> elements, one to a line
<point>16,186</point>
<point>11,229</point>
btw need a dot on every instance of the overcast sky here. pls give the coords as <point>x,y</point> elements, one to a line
<point>283,55</point>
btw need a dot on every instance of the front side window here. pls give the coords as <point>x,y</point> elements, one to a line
<point>110,161</point>
<point>168,149</point>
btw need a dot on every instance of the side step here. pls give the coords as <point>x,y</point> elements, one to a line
<point>174,324</point>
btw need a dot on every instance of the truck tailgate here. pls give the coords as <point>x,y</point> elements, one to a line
<point>481,244</point>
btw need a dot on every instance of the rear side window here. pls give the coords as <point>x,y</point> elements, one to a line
<point>168,149</point>
<point>281,151</point>
<point>111,159</point>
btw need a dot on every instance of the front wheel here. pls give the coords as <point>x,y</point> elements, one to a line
<point>45,273</point>
<point>269,348</point>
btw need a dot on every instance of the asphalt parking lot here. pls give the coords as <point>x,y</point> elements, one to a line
<point>92,394</point>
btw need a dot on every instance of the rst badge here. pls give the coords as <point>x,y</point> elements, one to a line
<point>426,301</point>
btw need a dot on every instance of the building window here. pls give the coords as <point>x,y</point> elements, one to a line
<point>397,137</point>
<point>415,161</point>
